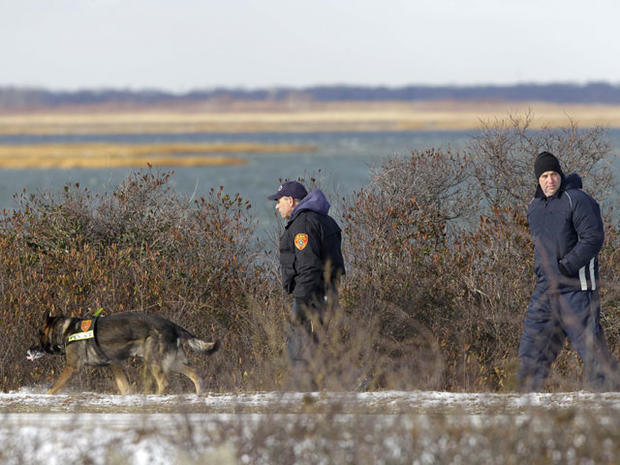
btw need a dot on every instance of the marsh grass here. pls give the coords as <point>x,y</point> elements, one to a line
<point>105,155</point>
<point>298,116</point>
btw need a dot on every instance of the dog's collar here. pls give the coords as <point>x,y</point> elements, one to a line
<point>81,336</point>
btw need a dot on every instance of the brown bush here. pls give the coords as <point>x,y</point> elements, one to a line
<point>439,271</point>
<point>142,248</point>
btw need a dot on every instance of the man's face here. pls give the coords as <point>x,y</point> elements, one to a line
<point>285,206</point>
<point>550,182</point>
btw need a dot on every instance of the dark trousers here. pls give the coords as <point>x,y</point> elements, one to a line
<point>302,331</point>
<point>550,319</point>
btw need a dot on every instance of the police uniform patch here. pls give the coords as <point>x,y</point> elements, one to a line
<point>85,325</point>
<point>301,241</point>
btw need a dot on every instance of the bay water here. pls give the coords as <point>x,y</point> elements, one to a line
<point>342,162</point>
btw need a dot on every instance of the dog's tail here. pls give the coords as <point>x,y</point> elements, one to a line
<point>203,346</point>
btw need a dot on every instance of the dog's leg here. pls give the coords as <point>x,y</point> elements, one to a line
<point>121,378</point>
<point>62,380</point>
<point>191,374</point>
<point>160,377</point>
<point>150,365</point>
<point>147,379</point>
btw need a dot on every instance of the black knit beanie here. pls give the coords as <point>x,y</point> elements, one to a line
<point>546,161</point>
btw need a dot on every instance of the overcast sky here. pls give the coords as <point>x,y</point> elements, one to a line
<point>181,45</point>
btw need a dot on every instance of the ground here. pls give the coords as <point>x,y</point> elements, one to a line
<point>273,427</point>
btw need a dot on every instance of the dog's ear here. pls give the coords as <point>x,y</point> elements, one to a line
<point>47,316</point>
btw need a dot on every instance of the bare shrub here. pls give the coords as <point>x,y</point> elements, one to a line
<point>142,248</point>
<point>505,150</point>
<point>398,232</point>
<point>492,282</point>
<point>609,263</point>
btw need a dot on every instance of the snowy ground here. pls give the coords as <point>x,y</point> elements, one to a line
<point>271,428</point>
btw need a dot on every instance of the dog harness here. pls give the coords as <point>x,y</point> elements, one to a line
<point>87,331</point>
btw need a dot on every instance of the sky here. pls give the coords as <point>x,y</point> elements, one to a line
<point>181,45</point>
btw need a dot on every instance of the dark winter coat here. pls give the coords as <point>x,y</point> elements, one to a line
<point>310,245</point>
<point>567,231</point>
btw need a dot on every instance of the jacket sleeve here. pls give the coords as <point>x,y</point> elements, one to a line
<point>287,263</point>
<point>307,237</point>
<point>588,224</point>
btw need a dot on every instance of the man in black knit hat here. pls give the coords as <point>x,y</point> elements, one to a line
<point>567,232</point>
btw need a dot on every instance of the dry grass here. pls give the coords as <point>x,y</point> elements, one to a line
<point>298,116</point>
<point>102,155</point>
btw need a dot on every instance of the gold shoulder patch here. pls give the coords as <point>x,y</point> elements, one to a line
<point>301,241</point>
<point>85,325</point>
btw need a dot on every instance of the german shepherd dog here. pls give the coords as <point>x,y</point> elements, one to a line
<point>109,340</point>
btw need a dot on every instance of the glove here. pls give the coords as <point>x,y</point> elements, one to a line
<point>563,269</point>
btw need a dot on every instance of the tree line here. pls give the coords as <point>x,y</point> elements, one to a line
<point>15,97</point>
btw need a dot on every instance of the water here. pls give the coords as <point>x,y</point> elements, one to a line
<point>344,160</point>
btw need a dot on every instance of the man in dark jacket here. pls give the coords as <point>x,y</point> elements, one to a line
<point>567,232</point>
<point>310,257</point>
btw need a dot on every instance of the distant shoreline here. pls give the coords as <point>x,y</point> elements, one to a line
<point>552,92</point>
<point>299,116</point>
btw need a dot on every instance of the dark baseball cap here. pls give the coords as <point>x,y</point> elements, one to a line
<point>290,189</point>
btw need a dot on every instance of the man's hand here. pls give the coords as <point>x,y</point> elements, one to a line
<point>298,313</point>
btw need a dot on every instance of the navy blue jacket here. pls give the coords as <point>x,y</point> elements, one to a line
<point>566,228</point>
<point>310,245</point>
